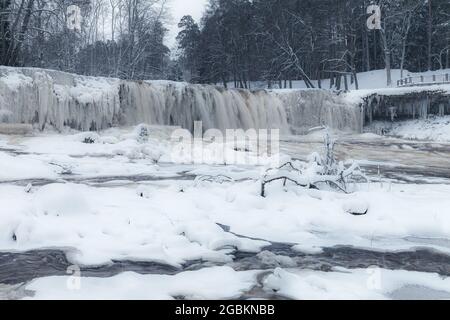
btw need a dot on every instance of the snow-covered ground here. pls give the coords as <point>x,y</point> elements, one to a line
<point>376,79</point>
<point>116,196</point>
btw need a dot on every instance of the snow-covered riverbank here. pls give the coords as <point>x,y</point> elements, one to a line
<point>122,199</point>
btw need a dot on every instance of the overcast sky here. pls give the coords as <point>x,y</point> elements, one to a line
<point>180,8</point>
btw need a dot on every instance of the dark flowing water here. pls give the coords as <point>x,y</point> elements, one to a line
<point>18,268</point>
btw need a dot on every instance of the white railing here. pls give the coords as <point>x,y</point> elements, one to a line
<point>424,80</point>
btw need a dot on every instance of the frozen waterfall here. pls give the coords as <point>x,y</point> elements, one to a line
<point>48,98</point>
<point>311,108</point>
<point>171,103</point>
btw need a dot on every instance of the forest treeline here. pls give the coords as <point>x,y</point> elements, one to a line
<point>236,41</point>
<point>116,38</point>
<point>280,40</point>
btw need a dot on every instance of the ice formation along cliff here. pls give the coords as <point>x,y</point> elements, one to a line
<point>48,98</point>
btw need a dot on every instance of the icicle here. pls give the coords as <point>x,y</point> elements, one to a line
<point>441,110</point>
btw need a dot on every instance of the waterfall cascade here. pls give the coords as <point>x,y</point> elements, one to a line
<point>181,104</point>
<point>307,109</point>
<point>51,98</point>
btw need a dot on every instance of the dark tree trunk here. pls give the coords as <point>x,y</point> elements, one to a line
<point>5,35</point>
<point>430,33</point>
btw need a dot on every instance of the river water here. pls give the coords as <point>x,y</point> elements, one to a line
<point>389,159</point>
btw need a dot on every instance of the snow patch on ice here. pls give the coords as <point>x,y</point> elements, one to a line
<point>61,200</point>
<point>342,284</point>
<point>205,284</point>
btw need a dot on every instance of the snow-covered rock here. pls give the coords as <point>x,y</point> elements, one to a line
<point>356,207</point>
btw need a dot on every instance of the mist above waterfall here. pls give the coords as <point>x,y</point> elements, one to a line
<point>55,99</point>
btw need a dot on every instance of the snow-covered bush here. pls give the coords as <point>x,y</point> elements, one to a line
<point>142,133</point>
<point>322,170</point>
<point>153,153</point>
<point>87,137</point>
